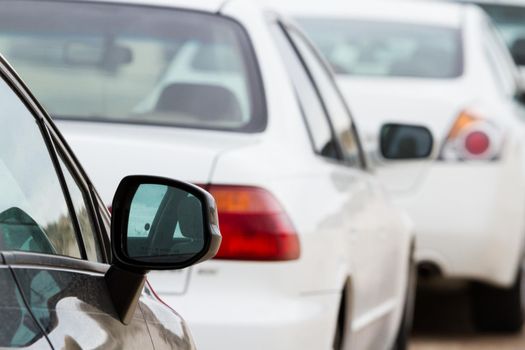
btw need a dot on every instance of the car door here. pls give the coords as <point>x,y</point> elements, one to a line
<point>50,237</point>
<point>374,252</point>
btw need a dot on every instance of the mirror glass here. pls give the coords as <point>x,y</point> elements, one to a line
<point>405,141</point>
<point>165,224</point>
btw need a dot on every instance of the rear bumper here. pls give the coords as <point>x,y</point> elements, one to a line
<point>259,322</point>
<point>469,220</point>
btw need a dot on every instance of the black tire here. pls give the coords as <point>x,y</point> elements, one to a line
<point>498,310</point>
<point>405,328</point>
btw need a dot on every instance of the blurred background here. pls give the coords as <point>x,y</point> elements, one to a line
<point>433,141</point>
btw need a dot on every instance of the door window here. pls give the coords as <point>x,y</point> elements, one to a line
<point>34,214</point>
<point>339,116</point>
<point>309,99</point>
<point>83,217</point>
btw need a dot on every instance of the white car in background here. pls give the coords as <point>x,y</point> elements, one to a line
<point>236,100</point>
<point>444,66</point>
<point>509,17</point>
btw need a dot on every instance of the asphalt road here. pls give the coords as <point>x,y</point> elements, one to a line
<point>442,321</point>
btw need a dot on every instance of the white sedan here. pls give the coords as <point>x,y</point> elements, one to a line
<point>313,254</point>
<point>442,65</point>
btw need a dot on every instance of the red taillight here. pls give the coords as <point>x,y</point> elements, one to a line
<point>253,225</point>
<point>477,142</point>
<point>472,138</point>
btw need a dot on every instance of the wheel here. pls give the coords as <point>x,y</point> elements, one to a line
<point>498,309</point>
<point>403,334</point>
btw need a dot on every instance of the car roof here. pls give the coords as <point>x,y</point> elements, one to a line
<point>440,13</point>
<point>200,5</point>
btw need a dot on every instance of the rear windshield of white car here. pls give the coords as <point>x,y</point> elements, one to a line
<point>134,64</point>
<point>387,49</point>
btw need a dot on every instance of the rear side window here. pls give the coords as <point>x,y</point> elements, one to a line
<point>34,213</point>
<point>309,99</point>
<point>344,130</point>
<point>80,204</point>
<point>509,19</point>
<point>135,64</point>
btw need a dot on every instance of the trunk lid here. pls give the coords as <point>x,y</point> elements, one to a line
<point>110,151</point>
<point>375,101</point>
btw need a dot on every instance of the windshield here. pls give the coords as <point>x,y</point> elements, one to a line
<point>132,64</point>
<point>510,20</point>
<point>387,49</point>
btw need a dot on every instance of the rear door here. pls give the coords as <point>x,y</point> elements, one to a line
<point>52,241</point>
<point>373,249</point>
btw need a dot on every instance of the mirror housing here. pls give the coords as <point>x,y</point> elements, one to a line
<point>405,142</point>
<point>181,229</point>
<point>173,208</point>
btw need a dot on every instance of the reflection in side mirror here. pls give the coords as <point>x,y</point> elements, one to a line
<point>404,142</point>
<point>163,224</point>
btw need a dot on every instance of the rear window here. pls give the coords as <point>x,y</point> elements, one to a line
<point>387,49</point>
<point>134,64</point>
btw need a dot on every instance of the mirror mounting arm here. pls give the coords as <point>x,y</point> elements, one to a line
<point>125,288</point>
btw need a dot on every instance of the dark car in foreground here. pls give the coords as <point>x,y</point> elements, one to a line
<point>64,284</point>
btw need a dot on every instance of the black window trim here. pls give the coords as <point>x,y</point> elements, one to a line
<point>51,149</point>
<point>286,27</point>
<point>283,28</point>
<point>47,128</point>
<point>88,197</point>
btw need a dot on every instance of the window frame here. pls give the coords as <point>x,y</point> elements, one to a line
<point>286,28</point>
<point>55,145</point>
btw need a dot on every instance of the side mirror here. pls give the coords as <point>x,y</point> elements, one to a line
<point>157,224</point>
<point>518,51</point>
<point>405,142</point>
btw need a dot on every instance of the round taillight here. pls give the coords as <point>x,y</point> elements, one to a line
<point>477,142</point>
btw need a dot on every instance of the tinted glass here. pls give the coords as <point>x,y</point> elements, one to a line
<point>339,116</point>
<point>309,99</point>
<point>82,215</point>
<point>18,327</point>
<point>369,48</point>
<point>34,215</point>
<point>124,63</point>
<point>164,223</point>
